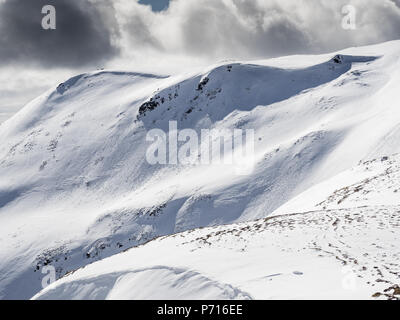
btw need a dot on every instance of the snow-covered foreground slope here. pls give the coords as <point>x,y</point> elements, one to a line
<point>351,252</point>
<point>75,186</point>
<point>340,254</point>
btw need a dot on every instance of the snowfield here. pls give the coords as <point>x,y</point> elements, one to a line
<point>345,252</point>
<point>318,217</point>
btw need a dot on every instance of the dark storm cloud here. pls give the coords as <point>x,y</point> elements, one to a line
<point>95,32</point>
<point>83,35</point>
<point>397,2</point>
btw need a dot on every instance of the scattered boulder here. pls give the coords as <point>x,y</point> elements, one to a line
<point>202,83</point>
<point>338,59</point>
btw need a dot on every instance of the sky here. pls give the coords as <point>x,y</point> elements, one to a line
<point>162,36</point>
<point>156,5</point>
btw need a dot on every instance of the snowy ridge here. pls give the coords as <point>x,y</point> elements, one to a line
<point>76,188</point>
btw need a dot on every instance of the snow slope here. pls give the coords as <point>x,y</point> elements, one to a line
<point>75,186</point>
<point>348,249</point>
<point>372,183</point>
<point>303,256</point>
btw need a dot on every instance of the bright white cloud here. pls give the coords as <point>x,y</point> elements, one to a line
<point>217,29</point>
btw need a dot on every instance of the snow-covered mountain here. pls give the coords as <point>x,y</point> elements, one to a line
<point>75,186</point>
